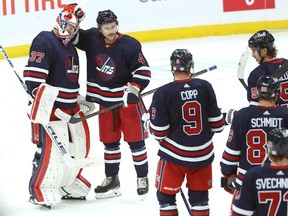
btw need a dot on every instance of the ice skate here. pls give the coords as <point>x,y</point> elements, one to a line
<point>70,197</point>
<point>33,201</point>
<point>142,187</point>
<point>109,188</point>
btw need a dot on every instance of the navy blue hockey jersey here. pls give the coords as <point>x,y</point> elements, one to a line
<point>110,67</point>
<point>264,189</point>
<point>52,63</point>
<point>246,144</point>
<point>184,117</point>
<point>266,68</point>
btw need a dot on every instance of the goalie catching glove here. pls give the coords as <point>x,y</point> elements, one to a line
<point>85,107</point>
<point>131,94</point>
<point>76,10</point>
<point>228,183</point>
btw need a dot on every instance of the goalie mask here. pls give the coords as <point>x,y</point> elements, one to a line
<point>67,25</point>
<point>261,39</point>
<point>279,140</point>
<point>106,16</point>
<point>181,60</point>
<point>267,87</point>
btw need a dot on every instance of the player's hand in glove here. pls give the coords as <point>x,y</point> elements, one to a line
<point>85,106</point>
<point>131,94</point>
<point>146,121</point>
<point>76,10</point>
<point>228,115</point>
<point>228,183</point>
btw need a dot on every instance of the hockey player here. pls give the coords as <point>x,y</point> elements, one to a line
<point>184,117</point>
<point>264,189</point>
<point>246,144</point>
<point>51,77</point>
<point>264,51</point>
<point>116,71</point>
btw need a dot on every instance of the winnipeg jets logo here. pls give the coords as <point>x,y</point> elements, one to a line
<point>105,67</point>
<point>72,68</point>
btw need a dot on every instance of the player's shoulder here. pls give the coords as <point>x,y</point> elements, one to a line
<point>129,39</point>
<point>44,38</point>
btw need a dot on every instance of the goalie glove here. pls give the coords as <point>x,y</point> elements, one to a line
<point>85,106</point>
<point>228,115</point>
<point>228,183</point>
<point>131,94</point>
<point>43,103</point>
<point>76,10</point>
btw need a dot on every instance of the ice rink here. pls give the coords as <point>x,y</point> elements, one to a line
<point>16,151</point>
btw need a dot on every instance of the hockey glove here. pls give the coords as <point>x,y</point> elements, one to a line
<point>131,94</point>
<point>146,121</point>
<point>228,115</point>
<point>76,10</point>
<point>85,106</point>
<point>43,103</point>
<point>228,183</point>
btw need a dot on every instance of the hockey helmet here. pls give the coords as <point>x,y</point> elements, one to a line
<point>261,39</point>
<point>106,16</point>
<point>181,60</point>
<point>63,22</point>
<point>279,139</point>
<point>267,87</point>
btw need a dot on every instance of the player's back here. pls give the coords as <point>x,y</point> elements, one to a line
<point>189,108</point>
<point>265,189</point>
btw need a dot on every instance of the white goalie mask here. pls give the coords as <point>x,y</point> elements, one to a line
<point>67,25</point>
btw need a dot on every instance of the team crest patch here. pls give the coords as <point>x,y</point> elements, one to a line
<point>72,68</point>
<point>230,136</point>
<point>105,67</point>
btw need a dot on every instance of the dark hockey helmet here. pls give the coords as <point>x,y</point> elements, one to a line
<point>267,87</point>
<point>279,139</point>
<point>106,16</point>
<point>181,60</point>
<point>261,39</point>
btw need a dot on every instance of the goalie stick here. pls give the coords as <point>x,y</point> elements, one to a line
<point>74,120</point>
<point>71,162</point>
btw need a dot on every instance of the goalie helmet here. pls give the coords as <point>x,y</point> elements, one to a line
<point>267,87</point>
<point>279,139</point>
<point>181,60</point>
<point>261,39</point>
<point>106,16</point>
<point>67,25</point>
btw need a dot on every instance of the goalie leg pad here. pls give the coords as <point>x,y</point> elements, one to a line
<point>48,171</point>
<point>73,184</point>
<point>43,103</point>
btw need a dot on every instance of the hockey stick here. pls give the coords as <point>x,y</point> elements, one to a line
<point>73,120</point>
<point>280,71</point>
<point>185,201</point>
<point>241,66</point>
<point>71,162</point>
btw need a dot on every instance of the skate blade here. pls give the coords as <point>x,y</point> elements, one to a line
<point>48,206</point>
<point>109,194</point>
<point>143,196</point>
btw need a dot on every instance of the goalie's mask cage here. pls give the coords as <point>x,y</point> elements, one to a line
<point>267,87</point>
<point>106,16</point>
<point>261,39</point>
<point>64,22</point>
<point>279,139</point>
<point>181,60</point>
